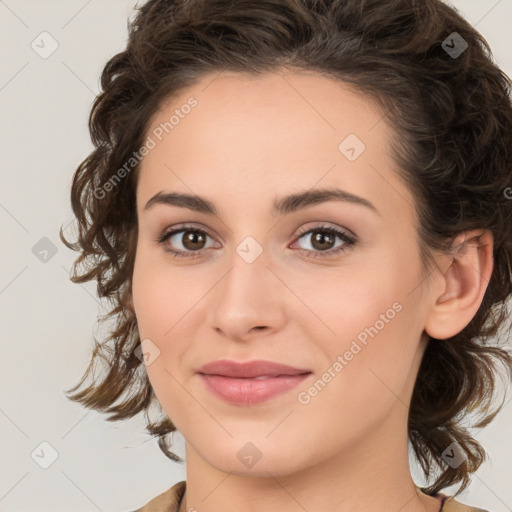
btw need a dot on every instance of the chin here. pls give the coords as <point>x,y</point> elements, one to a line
<point>241,456</point>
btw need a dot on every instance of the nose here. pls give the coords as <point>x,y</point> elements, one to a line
<point>248,300</point>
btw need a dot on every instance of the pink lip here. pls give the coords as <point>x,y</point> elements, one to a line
<point>247,391</point>
<point>249,369</point>
<point>236,383</point>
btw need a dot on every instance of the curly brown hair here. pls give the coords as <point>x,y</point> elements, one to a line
<point>453,117</point>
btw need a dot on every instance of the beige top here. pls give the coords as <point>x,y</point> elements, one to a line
<point>170,501</point>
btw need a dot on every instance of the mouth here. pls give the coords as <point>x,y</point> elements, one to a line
<point>250,369</point>
<point>251,390</point>
<point>250,382</point>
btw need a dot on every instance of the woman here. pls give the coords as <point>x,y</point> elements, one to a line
<point>301,212</point>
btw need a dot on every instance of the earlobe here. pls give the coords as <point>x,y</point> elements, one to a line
<point>464,280</point>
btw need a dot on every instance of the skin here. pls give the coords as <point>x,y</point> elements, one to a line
<point>260,138</point>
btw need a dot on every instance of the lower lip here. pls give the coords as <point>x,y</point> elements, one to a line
<point>250,391</point>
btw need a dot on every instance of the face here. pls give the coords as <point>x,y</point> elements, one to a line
<point>331,285</point>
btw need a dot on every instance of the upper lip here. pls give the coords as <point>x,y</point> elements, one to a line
<point>249,369</point>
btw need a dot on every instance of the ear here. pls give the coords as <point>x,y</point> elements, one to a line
<point>464,275</point>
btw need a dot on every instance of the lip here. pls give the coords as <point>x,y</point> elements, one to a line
<point>250,391</point>
<point>237,383</point>
<point>249,369</point>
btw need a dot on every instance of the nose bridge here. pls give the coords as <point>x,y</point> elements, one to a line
<point>247,277</point>
<point>244,299</point>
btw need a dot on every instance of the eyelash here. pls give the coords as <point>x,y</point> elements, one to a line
<point>348,241</point>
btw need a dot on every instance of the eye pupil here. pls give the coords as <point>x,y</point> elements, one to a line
<point>319,240</point>
<point>192,237</point>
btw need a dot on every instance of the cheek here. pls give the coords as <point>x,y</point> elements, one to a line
<point>158,296</point>
<point>369,319</point>
<point>167,303</point>
<point>352,301</point>
<point>160,308</point>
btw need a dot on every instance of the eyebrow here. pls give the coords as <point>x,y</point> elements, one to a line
<point>280,206</point>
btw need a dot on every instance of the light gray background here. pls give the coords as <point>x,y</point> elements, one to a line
<point>48,322</point>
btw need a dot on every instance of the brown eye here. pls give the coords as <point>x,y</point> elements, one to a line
<point>323,241</point>
<point>193,240</point>
<point>185,242</point>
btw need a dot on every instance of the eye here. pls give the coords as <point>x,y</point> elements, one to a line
<point>191,239</point>
<point>322,239</point>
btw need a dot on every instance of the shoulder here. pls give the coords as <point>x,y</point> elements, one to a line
<point>168,501</point>
<point>450,504</point>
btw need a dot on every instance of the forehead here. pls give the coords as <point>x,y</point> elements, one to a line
<point>267,133</point>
